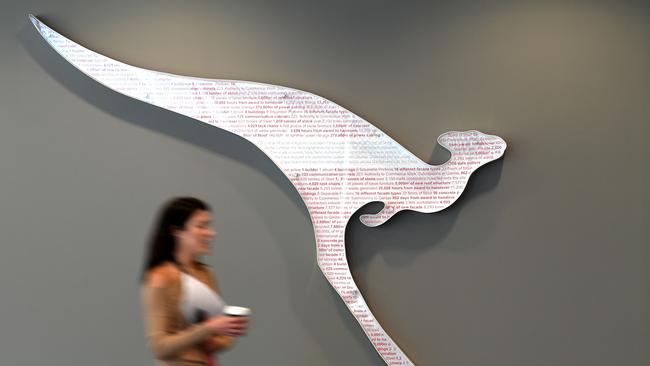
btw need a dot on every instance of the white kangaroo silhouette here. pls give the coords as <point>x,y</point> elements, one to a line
<point>337,161</point>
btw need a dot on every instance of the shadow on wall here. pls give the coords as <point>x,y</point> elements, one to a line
<point>150,117</point>
<point>423,230</point>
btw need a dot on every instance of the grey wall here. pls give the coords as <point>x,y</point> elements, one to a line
<point>543,260</point>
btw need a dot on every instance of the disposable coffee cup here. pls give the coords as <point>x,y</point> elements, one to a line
<point>236,311</point>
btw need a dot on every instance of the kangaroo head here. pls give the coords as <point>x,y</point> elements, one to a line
<point>473,145</point>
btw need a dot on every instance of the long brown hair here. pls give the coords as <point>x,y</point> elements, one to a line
<point>174,215</point>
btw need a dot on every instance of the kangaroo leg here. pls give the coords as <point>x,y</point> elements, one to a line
<point>376,219</point>
<point>335,266</point>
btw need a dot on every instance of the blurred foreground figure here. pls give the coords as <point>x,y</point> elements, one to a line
<point>183,309</point>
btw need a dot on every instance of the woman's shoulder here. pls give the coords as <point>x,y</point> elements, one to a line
<point>162,275</point>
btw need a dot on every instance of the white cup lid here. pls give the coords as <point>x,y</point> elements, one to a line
<point>236,311</point>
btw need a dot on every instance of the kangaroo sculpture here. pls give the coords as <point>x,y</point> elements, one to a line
<point>337,161</point>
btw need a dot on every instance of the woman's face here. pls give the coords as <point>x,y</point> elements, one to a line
<point>196,237</point>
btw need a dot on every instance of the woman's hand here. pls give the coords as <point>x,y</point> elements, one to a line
<point>233,326</point>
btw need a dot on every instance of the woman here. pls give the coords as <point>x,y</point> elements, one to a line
<point>180,295</point>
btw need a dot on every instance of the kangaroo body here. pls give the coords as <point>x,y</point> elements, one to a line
<point>337,161</point>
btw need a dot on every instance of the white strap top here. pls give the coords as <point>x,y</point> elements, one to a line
<point>198,301</point>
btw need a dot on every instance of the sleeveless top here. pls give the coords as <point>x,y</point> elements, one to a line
<point>198,301</point>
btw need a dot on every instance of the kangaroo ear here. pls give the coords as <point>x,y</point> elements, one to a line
<point>374,220</point>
